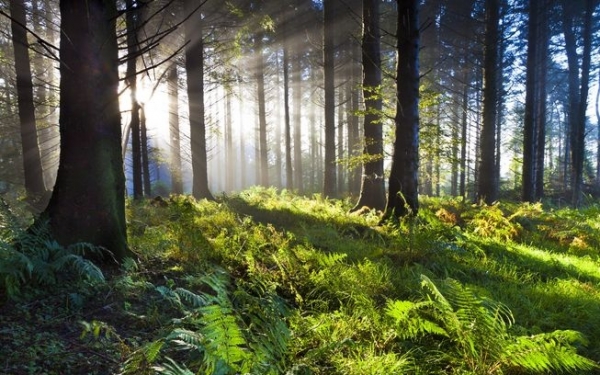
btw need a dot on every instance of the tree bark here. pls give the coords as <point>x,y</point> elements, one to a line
<point>329,176</point>
<point>88,201</point>
<point>262,112</point>
<point>487,189</point>
<point>578,91</point>
<point>372,192</point>
<point>403,194</point>
<point>297,100</point>
<point>136,145</point>
<point>194,66</point>
<point>32,161</point>
<point>175,144</point>
<point>289,172</point>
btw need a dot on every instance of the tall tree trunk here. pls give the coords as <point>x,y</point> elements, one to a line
<point>340,140</point>
<point>277,142</point>
<point>297,100</point>
<point>88,201</point>
<point>174,135</point>
<point>32,162</point>
<point>487,189</point>
<point>229,157</point>
<point>372,192</point>
<point>578,91</point>
<point>145,153</point>
<point>242,139</point>
<point>194,66</point>
<point>354,143</point>
<point>541,102</point>
<point>289,173</point>
<point>403,193</point>
<point>463,137</point>
<point>530,121</point>
<point>330,176</point>
<point>262,112</point>
<point>136,145</point>
<point>598,133</point>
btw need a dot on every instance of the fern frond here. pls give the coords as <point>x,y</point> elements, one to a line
<point>410,320</point>
<point>84,267</point>
<point>549,352</point>
<point>170,295</point>
<point>172,368</point>
<point>192,298</point>
<point>142,357</point>
<point>189,340</point>
<point>224,338</point>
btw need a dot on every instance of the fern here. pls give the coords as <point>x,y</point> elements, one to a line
<point>172,368</point>
<point>34,258</point>
<point>228,331</point>
<point>224,338</point>
<point>475,337</point>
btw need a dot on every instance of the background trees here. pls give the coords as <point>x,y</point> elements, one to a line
<point>476,140</point>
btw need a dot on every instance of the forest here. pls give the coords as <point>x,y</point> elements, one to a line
<point>299,187</point>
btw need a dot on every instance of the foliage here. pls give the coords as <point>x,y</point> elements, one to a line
<point>266,281</point>
<point>33,258</point>
<point>473,335</point>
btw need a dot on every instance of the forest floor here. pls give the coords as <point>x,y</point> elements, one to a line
<point>269,282</point>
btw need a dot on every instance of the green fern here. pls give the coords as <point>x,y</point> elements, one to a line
<point>474,334</point>
<point>231,330</point>
<point>34,259</point>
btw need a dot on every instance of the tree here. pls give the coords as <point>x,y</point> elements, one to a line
<point>403,198</point>
<point>32,162</point>
<point>88,200</point>
<point>535,103</point>
<point>131,80</point>
<point>330,177</point>
<point>487,189</point>
<point>372,191</point>
<point>194,66</point>
<point>578,88</point>
<point>262,112</point>
<point>175,137</point>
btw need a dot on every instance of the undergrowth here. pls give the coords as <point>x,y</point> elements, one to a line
<point>267,282</point>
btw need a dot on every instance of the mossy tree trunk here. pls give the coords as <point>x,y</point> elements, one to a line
<point>88,201</point>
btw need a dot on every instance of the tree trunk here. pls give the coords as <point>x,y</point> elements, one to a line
<point>145,153</point>
<point>578,91</point>
<point>372,192</point>
<point>229,156</point>
<point>541,102</point>
<point>262,112</point>
<point>531,121</point>
<point>487,189</point>
<point>194,66</point>
<point>354,139</point>
<point>136,145</point>
<point>598,133</point>
<point>297,100</point>
<point>88,201</point>
<point>289,173</point>
<point>32,162</point>
<point>330,176</point>
<point>175,144</point>
<point>463,137</point>
<point>403,193</point>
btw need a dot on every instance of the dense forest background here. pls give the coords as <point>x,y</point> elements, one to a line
<point>299,187</point>
<point>264,114</point>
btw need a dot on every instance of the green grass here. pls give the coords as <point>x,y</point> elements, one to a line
<point>270,282</point>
